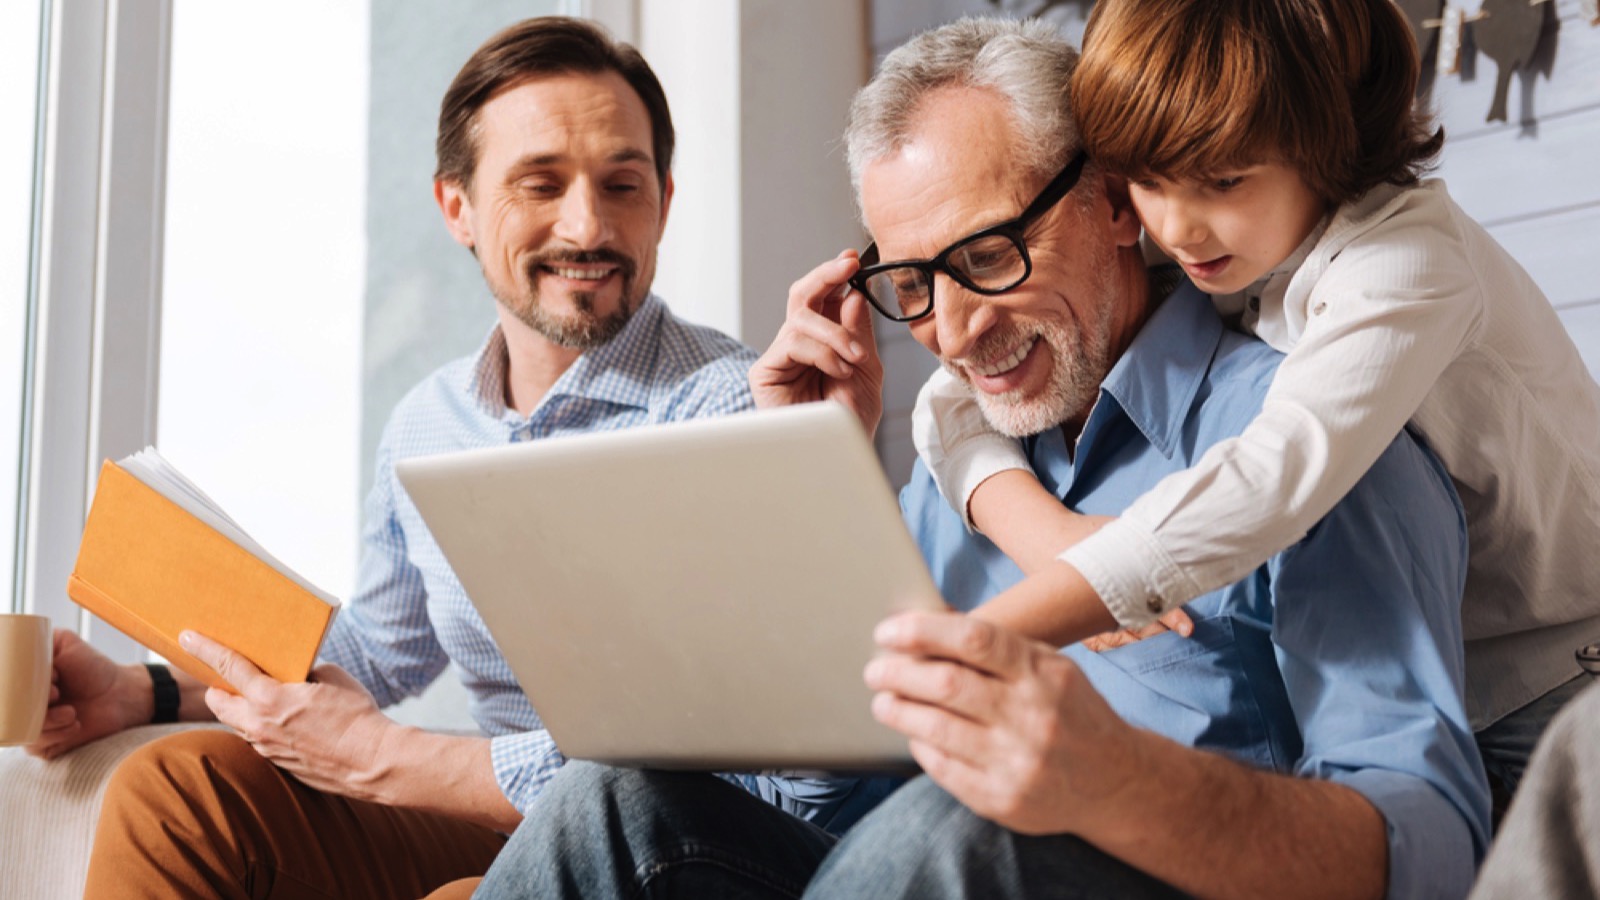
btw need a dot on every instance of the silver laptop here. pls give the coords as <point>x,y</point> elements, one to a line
<point>691,595</point>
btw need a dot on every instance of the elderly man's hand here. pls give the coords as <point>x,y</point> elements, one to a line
<point>825,350</point>
<point>1007,726</point>
<point>327,732</point>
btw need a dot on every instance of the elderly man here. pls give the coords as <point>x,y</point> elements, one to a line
<point>554,155</point>
<point>1308,740</point>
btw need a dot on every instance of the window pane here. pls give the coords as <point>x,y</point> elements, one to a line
<point>262,280</point>
<point>19,83</point>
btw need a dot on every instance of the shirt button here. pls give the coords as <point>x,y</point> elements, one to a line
<point>1255,304</point>
<point>1319,309</point>
<point>1154,605</point>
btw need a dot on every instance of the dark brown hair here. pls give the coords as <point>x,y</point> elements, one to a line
<point>1186,88</point>
<point>548,45</point>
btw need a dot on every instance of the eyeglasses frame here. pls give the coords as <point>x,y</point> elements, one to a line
<point>1013,229</point>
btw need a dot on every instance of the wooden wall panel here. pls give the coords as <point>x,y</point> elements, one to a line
<point>1503,176</point>
<point>1561,251</point>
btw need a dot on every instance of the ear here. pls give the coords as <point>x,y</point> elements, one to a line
<point>456,206</point>
<point>666,202</point>
<point>1125,227</point>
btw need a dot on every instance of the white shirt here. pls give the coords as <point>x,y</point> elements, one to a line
<point>1403,309</point>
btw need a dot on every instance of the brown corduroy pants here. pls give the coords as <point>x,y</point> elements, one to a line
<point>202,815</point>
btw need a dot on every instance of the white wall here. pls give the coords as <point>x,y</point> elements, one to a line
<point>696,58</point>
<point>759,92</point>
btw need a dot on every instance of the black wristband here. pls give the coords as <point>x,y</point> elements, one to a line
<point>166,692</point>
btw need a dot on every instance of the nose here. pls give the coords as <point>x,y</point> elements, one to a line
<point>960,318</point>
<point>582,221</point>
<point>1178,224</point>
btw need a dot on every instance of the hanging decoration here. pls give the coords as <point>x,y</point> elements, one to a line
<point>1452,24</point>
<point>1508,32</point>
<point>1419,12</point>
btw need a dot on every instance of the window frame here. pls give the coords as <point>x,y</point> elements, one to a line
<point>91,364</point>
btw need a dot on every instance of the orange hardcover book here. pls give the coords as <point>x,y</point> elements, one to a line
<point>158,557</point>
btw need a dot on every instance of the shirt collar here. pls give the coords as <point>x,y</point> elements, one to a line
<point>610,373</point>
<point>1155,381</point>
<point>1271,287</point>
<point>489,373</point>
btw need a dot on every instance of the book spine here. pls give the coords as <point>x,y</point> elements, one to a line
<point>98,602</point>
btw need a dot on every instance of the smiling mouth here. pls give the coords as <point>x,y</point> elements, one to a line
<point>579,274</point>
<point>1009,362</point>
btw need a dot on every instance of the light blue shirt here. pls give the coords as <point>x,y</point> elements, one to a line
<point>409,617</point>
<point>1340,658</point>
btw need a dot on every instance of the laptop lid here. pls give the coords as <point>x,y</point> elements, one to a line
<point>690,595</point>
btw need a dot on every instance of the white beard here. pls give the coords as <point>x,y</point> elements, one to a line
<point>1078,362</point>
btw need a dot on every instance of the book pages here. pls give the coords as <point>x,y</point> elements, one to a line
<point>150,467</point>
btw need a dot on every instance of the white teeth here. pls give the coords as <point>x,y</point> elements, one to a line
<point>581,274</point>
<point>1011,362</point>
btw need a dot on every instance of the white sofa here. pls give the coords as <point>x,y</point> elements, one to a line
<point>48,812</point>
<point>48,809</point>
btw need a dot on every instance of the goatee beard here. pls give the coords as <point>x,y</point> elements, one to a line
<point>581,329</point>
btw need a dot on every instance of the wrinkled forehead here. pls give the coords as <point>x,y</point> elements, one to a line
<point>957,171</point>
<point>571,116</point>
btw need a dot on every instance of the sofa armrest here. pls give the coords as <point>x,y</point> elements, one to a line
<point>48,812</point>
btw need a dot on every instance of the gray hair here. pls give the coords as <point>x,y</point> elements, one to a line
<point>1027,62</point>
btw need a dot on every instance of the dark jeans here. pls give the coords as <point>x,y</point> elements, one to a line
<point>1507,744</point>
<point>599,832</point>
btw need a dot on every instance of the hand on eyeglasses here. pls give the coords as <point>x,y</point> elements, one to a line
<point>825,349</point>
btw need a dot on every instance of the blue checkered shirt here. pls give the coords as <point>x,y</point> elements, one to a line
<point>410,618</point>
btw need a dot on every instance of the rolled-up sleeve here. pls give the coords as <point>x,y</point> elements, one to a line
<point>1426,835</point>
<point>523,764</point>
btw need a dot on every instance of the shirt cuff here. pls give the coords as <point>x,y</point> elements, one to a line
<point>523,764</point>
<point>976,460</point>
<point>1134,576</point>
<point>1431,850</point>
<point>957,444</point>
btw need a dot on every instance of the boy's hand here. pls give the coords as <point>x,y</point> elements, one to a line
<point>1174,620</point>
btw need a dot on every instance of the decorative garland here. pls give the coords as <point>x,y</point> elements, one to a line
<point>1507,31</point>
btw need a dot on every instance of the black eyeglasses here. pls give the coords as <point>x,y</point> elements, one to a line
<point>990,261</point>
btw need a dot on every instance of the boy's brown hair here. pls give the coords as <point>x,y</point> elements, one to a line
<point>1187,88</point>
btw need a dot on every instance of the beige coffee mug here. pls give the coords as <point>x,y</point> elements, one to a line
<point>24,677</point>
